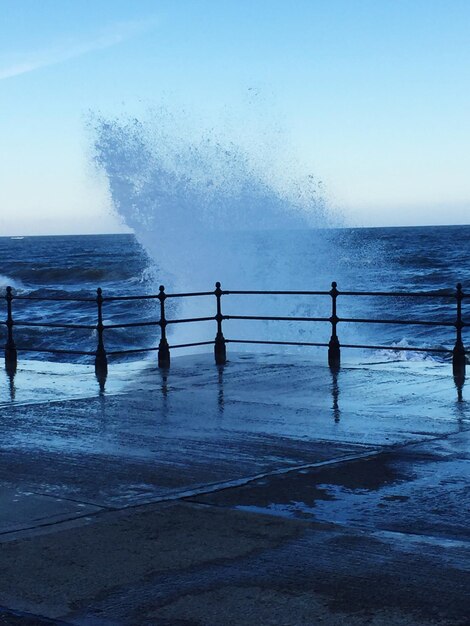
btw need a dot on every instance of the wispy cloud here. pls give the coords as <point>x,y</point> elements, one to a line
<point>73,48</point>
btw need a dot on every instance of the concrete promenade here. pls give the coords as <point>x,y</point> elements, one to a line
<point>268,492</point>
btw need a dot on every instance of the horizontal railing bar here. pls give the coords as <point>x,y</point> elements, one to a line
<point>193,294</point>
<point>421,294</point>
<point>143,297</point>
<point>25,349</point>
<point>279,343</point>
<point>274,293</point>
<point>189,345</point>
<point>398,294</point>
<point>414,294</point>
<point>180,345</point>
<point>53,299</point>
<point>402,322</point>
<point>424,294</point>
<point>276,318</point>
<point>238,317</point>
<point>157,323</point>
<point>397,348</point>
<point>130,324</point>
<point>156,296</point>
<point>306,343</point>
<point>52,325</point>
<point>130,350</point>
<point>192,319</point>
<point>250,341</point>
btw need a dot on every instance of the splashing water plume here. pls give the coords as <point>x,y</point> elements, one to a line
<point>207,209</point>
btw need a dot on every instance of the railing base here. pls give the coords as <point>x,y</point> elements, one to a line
<point>334,354</point>
<point>101,366</point>
<point>220,350</point>
<point>10,368</point>
<point>164,355</point>
<point>11,357</point>
<point>458,362</point>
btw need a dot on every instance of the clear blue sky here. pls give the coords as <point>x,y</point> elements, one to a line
<point>374,95</point>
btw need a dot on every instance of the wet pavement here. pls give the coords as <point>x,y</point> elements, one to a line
<point>270,491</point>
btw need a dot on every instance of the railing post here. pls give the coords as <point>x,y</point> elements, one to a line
<point>11,355</point>
<point>101,360</point>
<point>458,353</point>
<point>220,352</point>
<point>334,353</point>
<point>163,347</point>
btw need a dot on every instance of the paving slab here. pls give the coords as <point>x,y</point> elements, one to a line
<point>420,489</point>
<point>21,509</point>
<point>187,564</point>
<point>263,492</point>
<point>169,469</point>
<point>163,434</point>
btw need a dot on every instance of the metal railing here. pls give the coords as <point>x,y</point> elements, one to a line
<point>220,342</point>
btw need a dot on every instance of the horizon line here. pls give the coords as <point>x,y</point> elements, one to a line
<point>347,227</point>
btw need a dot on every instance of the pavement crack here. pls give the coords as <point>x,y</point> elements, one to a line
<point>43,525</point>
<point>67,499</point>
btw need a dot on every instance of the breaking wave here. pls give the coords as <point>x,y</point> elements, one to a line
<point>206,209</point>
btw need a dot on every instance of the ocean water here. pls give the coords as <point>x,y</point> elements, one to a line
<point>372,259</point>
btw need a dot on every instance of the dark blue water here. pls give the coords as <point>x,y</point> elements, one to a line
<point>397,259</point>
<point>74,266</point>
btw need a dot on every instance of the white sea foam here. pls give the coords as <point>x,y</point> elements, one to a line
<point>405,355</point>
<point>6,281</point>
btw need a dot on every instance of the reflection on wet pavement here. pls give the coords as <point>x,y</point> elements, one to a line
<point>276,478</point>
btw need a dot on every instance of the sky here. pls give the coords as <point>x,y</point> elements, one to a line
<point>373,96</point>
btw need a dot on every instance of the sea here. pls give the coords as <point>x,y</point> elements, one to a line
<point>406,259</point>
